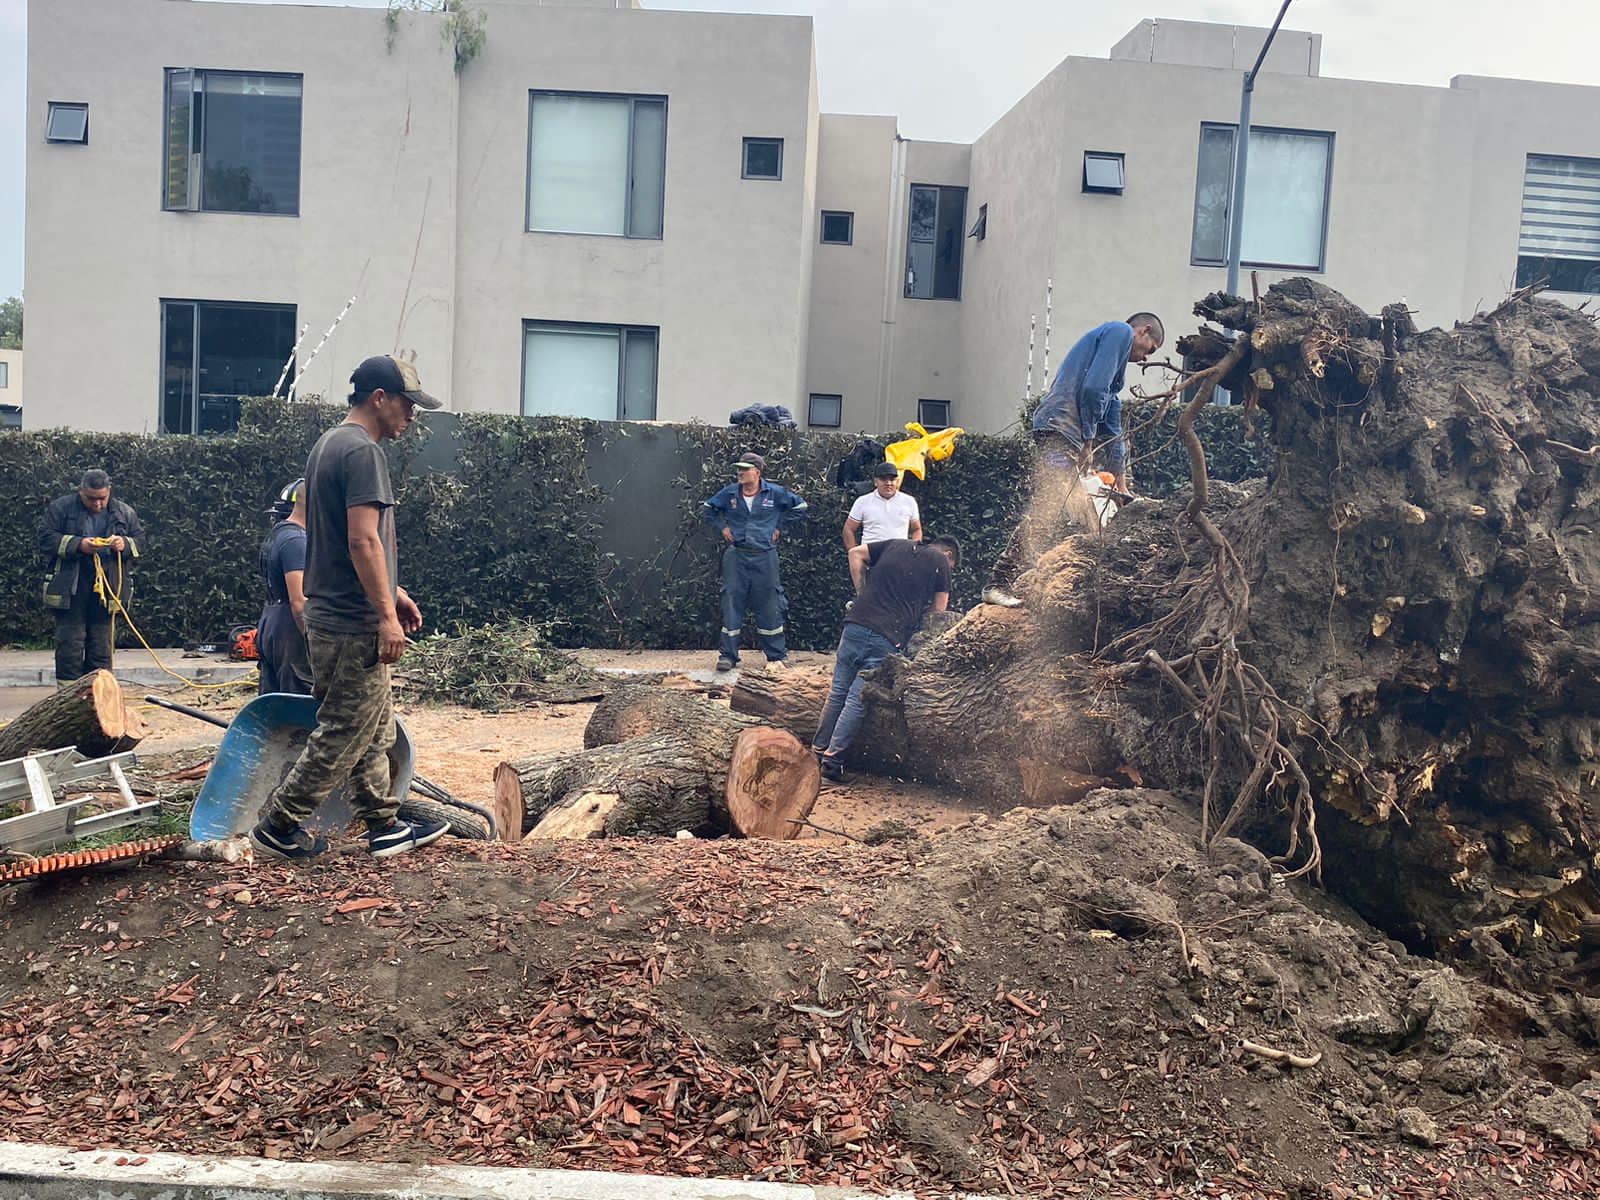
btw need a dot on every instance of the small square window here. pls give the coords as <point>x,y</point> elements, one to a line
<point>1102,172</point>
<point>763,158</point>
<point>825,412</point>
<point>67,123</point>
<point>838,228</point>
<point>933,415</point>
<point>5,374</point>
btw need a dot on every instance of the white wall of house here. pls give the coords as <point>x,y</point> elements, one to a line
<point>414,198</point>
<point>727,282</point>
<point>11,384</point>
<point>377,197</point>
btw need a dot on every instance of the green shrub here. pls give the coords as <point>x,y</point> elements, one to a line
<point>517,528</point>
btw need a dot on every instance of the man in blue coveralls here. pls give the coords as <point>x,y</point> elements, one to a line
<point>1082,408</point>
<point>750,515</point>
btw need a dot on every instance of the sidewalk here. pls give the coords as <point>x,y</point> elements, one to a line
<point>135,668</point>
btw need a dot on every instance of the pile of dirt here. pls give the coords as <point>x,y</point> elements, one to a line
<point>1044,1002</point>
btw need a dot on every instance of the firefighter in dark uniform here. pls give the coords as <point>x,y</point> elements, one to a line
<point>750,515</point>
<point>281,633</point>
<point>77,531</point>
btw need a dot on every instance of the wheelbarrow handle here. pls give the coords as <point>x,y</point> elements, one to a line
<point>197,714</point>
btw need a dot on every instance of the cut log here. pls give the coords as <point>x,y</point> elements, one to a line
<point>658,762</point>
<point>772,785</point>
<point>90,713</point>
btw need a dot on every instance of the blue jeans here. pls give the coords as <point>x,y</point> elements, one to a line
<point>750,580</point>
<point>860,649</point>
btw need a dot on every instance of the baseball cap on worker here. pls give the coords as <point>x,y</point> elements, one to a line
<point>751,459</point>
<point>886,470</point>
<point>394,376</point>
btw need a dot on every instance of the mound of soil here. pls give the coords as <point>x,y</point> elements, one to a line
<point>1052,1001</point>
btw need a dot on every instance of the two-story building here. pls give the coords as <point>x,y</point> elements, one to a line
<point>615,212</point>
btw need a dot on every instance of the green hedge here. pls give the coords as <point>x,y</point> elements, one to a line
<point>517,528</point>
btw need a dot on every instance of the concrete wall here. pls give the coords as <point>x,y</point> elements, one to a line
<point>724,283</point>
<point>377,196</point>
<point>848,342</point>
<point>1513,118</point>
<point>11,394</point>
<point>1204,44</point>
<point>413,198</point>
<point>1398,212</point>
<point>925,335</point>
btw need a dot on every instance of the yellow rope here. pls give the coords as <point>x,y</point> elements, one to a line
<point>112,599</point>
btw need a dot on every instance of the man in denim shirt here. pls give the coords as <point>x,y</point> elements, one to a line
<point>750,515</point>
<point>1082,405</point>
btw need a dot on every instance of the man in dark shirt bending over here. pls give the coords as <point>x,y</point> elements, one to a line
<point>908,580</point>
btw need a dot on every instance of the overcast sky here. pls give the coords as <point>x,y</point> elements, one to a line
<point>949,68</point>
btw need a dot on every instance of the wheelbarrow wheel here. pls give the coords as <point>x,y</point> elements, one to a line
<point>463,824</point>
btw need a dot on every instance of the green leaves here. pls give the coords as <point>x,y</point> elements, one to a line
<point>592,530</point>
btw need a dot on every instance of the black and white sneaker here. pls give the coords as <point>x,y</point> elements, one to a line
<point>402,837</point>
<point>293,844</point>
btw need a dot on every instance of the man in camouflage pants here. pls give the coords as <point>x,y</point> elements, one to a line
<point>357,618</point>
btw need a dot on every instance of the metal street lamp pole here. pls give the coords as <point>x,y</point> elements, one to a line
<point>1241,154</point>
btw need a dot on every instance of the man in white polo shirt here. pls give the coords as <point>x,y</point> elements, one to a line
<point>883,513</point>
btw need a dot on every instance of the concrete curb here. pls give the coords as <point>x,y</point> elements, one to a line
<point>36,677</point>
<point>38,1172</point>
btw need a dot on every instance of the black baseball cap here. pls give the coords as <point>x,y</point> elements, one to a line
<point>394,376</point>
<point>886,470</point>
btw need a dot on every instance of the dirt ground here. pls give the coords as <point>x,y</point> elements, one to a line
<point>1057,1001</point>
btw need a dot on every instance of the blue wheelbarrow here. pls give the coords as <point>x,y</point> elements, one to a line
<point>260,745</point>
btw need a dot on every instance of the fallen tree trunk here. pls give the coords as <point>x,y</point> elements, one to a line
<point>91,714</point>
<point>1381,662</point>
<point>659,762</point>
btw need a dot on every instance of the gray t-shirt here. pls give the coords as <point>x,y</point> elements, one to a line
<point>346,468</point>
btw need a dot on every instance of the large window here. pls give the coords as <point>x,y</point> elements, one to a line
<point>213,353</point>
<point>232,142</point>
<point>1285,194</point>
<point>1560,242</point>
<point>603,372</point>
<point>596,164</point>
<point>933,242</point>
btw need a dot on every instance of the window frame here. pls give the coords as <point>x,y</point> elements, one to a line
<point>933,426</point>
<point>744,160</point>
<point>1527,265</point>
<point>1327,135</point>
<point>1116,156</point>
<point>960,243</point>
<point>196,178</point>
<point>527,170</point>
<point>811,401</point>
<point>54,106</point>
<point>194,358</point>
<point>529,324</point>
<point>822,227</point>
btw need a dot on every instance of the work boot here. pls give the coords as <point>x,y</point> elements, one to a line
<point>994,595</point>
<point>402,837</point>
<point>780,665</point>
<point>725,664</point>
<point>832,768</point>
<point>287,841</point>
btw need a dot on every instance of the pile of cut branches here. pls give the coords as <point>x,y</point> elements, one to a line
<point>493,667</point>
